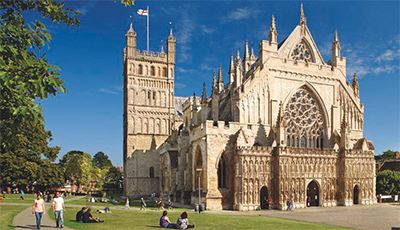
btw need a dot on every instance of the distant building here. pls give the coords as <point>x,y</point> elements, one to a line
<point>393,165</point>
<point>283,125</point>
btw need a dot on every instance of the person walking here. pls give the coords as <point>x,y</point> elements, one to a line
<point>38,209</point>
<point>127,203</point>
<point>22,195</point>
<point>58,208</point>
<point>170,204</point>
<point>143,204</point>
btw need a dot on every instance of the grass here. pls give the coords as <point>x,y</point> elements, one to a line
<point>7,214</point>
<point>15,199</point>
<point>133,219</point>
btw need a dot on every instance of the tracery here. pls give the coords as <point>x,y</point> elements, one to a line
<point>305,122</point>
<point>302,52</point>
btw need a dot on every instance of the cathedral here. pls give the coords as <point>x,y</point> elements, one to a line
<point>283,125</point>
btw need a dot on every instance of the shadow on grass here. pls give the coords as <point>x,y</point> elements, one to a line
<point>151,226</point>
<point>29,226</point>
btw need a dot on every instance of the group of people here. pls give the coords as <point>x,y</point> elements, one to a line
<point>57,207</point>
<point>181,223</point>
<point>85,216</point>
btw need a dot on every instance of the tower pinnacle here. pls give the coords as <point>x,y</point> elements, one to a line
<point>272,31</point>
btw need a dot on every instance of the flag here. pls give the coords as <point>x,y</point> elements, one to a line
<point>142,12</point>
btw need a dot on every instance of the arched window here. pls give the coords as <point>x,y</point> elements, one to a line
<point>305,120</point>
<point>302,52</point>
<point>140,69</point>
<point>152,71</point>
<point>151,172</point>
<point>222,173</point>
<point>164,72</point>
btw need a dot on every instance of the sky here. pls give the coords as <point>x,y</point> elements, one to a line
<point>89,116</point>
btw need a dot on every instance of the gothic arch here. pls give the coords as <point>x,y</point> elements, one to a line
<point>302,47</point>
<point>222,171</point>
<point>199,162</point>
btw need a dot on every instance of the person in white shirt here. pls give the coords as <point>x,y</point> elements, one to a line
<point>58,208</point>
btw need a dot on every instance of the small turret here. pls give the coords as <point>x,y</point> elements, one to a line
<point>238,70</point>
<point>246,57</point>
<point>335,50</point>
<point>214,82</point>
<point>273,34</point>
<point>171,43</point>
<point>355,85</point>
<point>231,71</point>
<point>194,110</point>
<point>130,42</point>
<point>215,101</point>
<point>220,79</point>
<point>204,104</point>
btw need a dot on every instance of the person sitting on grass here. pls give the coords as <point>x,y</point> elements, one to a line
<point>79,215</point>
<point>183,222</point>
<point>165,222</point>
<point>88,218</point>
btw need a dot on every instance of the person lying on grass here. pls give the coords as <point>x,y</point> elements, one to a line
<point>88,218</point>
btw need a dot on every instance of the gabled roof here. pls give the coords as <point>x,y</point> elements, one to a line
<point>286,47</point>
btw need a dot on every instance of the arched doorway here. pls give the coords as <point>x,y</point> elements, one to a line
<point>312,194</point>
<point>264,198</point>
<point>355,194</point>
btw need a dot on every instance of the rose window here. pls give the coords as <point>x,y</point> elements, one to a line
<point>302,52</point>
<point>305,123</point>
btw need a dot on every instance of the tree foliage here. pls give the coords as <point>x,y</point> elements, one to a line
<point>28,156</point>
<point>101,160</point>
<point>113,179</point>
<point>77,165</point>
<point>388,182</point>
<point>387,155</point>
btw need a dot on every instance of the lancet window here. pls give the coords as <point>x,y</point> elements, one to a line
<point>302,52</point>
<point>221,173</point>
<point>305,121</point>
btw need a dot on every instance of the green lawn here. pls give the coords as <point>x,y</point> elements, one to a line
<point>133,219</point>
<point>7,214</point>
<point>15,198</point>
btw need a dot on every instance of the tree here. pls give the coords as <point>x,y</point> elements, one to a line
<point>387,155</point>
<point>28,157</point>
<point>113,179</point>
<point>388,182</point>
<point>101,160</point>
<point>77,165</point>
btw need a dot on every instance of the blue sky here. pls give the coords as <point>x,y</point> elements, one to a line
<point>89,116</point>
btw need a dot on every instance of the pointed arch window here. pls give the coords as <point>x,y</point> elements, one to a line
<point>222,173</point>
<point>302,52</point>
<point>305,121</point>
<point>140,69</point>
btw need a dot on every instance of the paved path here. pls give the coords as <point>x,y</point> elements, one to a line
<point>26,220</point>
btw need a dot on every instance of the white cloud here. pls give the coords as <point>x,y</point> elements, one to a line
<point>179,85</point>
<point>389,55</point>
<point>107,91</point>
<point>242,13</point>
<point>205,67</point>
<point>206,29</point>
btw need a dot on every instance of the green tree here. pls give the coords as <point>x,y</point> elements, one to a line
<point>77,165</point>
<point>28,156</point>
<point>113,179</point>
<point>388,182</point>
<point>101,160</point>
<point>387,155</point>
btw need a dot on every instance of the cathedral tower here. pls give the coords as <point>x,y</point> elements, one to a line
<point>148,111</point>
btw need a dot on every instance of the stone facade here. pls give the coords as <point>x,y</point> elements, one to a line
<point>286,125</point>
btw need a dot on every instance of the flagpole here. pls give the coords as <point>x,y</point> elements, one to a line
<point>148,29</point>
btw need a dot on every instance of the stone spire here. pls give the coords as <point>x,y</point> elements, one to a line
<point>355,85</point>
<point>215,81</point>
<point>220,79</point>
<point>194,110</point>
<point>280,127</point>
<point>335,50</point>
<point>131,32</point>
<point>231,70</point>
<point>273,34</point>
<point>246,57</point>
<point>162,48</point>
<point>302,17</point>
<point>171,36</point>
<point>238,70</point>
<point>302,21</point>
<point>204,95</point>
<point>253,57</point>
<point>171,47</point>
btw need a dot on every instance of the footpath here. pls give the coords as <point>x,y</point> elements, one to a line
<point>27,220</point>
